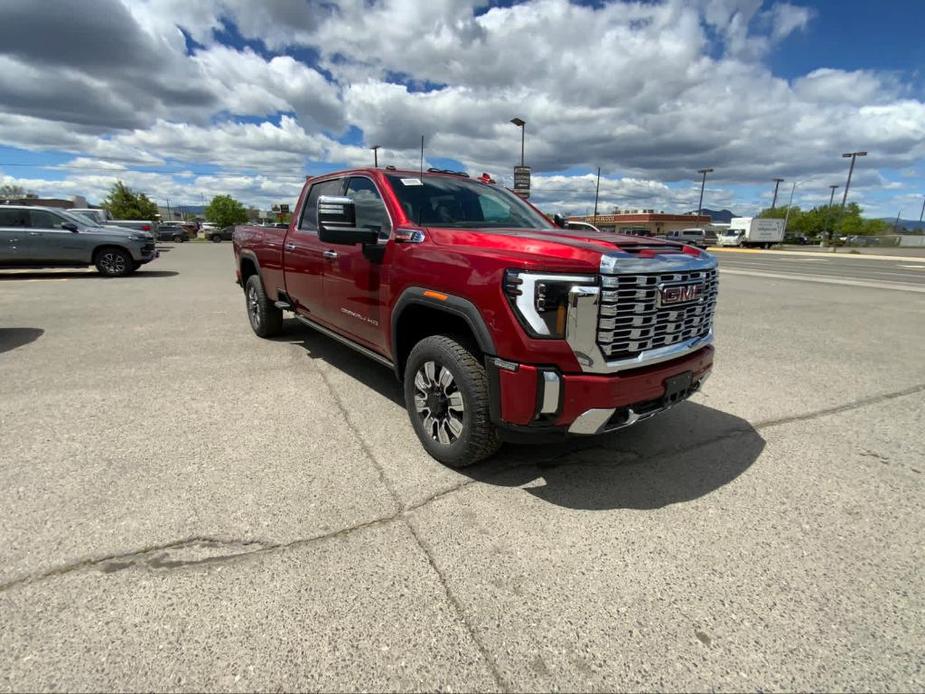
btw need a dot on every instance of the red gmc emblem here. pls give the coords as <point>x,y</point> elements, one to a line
<point>680,294</point>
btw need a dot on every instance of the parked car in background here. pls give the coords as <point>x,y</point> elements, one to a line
<point>136,224</point>
<point>636,231</point>
<point>694,237</point>
<point>178,232</point>
<point>796,239</point>
<point>98,215</point>
<point>48,237</point>
<point>581,226</point>
<point>219,235</point>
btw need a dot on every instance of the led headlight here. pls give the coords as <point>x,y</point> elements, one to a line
<point>541,300</point>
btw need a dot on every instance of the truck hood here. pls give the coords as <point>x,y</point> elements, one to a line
<point>553,248</point>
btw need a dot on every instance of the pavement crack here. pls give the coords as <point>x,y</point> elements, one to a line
<point>345,413</point>
<point>856,404</point>
<point>461,613</point>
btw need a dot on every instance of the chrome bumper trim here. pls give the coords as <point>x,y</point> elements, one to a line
<point>591,421</point>
<point>551,388</point>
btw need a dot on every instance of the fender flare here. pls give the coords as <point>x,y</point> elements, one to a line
<point>454,305</point>
<point>251,256</point>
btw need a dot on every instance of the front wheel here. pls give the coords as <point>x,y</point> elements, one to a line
<point>446,394</point>
<point>217,238</point>
<point>266,320</point>
<point>114,262</point>
<point>178,239</point>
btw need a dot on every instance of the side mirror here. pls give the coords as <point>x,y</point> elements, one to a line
<point>70,226</point>
<point>337,218</point>
<point>559,220</point>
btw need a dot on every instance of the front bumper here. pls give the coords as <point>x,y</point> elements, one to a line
<point>530,400</point>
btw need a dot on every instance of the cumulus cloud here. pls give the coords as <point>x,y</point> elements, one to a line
<point>648,91</point>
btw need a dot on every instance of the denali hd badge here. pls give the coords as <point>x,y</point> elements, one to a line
<point>679,293</point>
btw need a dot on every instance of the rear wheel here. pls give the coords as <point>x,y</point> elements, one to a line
<point>446,394</point>
<point>217,238</point>
<point>266,320</point>
<point>178,239</point>
<point>114,262</point>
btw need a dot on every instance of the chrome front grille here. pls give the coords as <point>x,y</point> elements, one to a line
<point>631,319</point>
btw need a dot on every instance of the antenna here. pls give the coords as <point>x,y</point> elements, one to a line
<point>422,159</point>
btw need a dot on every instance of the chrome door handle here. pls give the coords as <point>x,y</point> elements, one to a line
<point>330,255</point>
<point>290,246</point>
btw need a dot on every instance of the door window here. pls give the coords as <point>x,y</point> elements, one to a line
<point>370,209</point>
<point>309,219</point>
<point>13,218</point>
<point>45,220</point>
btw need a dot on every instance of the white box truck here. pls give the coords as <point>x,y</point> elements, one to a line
<point>752,231</point>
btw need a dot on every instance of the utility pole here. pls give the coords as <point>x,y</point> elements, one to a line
<point>896,223</point>
<point>829,220</point>
<point>169,216</point>
<point>832,195</point>
<point>703,183</point>
<point>375,149</point>
<point>853,156</point>
<point>789,205</point>
<point>777,182</point>
<point>922,213</point>
<point>597,191</point>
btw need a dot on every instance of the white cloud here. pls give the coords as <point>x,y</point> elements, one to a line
<point>648,91</point>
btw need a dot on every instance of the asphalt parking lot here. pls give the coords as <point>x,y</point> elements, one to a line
<point>184,506</point>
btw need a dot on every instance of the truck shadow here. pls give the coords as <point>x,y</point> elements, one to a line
<point>681,455</point>
<point>11,338</point>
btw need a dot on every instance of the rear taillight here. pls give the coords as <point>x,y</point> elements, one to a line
<point>146,227</point>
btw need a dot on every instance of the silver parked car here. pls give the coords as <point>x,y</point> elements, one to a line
<point>49,237</point>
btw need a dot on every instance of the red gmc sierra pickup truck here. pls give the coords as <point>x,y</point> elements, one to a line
<point>499,324</point>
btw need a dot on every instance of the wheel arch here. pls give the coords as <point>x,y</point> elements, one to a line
<point>420,312</point>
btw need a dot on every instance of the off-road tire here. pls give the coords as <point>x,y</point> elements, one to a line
<point>478,438</point>
<point>114,262</point>
<point>266,320</point>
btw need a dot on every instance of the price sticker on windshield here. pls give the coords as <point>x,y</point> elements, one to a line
<point>411,181</point>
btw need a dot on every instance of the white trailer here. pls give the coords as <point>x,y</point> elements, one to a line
<point>752,231</point>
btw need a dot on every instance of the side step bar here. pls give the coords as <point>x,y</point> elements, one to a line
<point>349,343</point>
<point>283,302</point>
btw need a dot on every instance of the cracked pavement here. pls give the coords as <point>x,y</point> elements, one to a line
<point>186,507</point>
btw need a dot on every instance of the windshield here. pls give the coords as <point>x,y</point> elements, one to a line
<point>731,232</point>
<point>459,203</point>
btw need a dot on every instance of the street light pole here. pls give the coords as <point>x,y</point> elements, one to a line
<point>703,183</point>
<point>853,156</point>
<point>375,149</point>
<point>832,195</point>
<point>522,124</point>
<point>777,182</point>
<point>597,191</point>
<point>922,213</point>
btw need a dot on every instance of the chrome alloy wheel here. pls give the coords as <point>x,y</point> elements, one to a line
<point>113,263</point>
<point>253,307</point>
<point>438,402</point>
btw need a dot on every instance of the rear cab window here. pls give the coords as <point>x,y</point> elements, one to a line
<point>14,218</point>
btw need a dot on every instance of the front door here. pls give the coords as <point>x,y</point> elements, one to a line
<point>354,279</point>
<point>303,262</point>
<point>48,242</point>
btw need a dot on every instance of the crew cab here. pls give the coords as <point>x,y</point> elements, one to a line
<point>498,324</point>
<point>36,237</point>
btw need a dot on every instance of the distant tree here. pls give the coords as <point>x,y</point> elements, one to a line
<point>124,203</point>
<point>11,190</point>
<point>224,211</point>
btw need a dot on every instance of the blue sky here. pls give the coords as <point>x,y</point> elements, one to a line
<point>187,100</point>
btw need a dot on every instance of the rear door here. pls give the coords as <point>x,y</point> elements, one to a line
<point>303,262</point>
<point>14,229</point>
<point>353,275</point>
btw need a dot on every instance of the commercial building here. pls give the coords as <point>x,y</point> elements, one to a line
<point>634,221</point>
